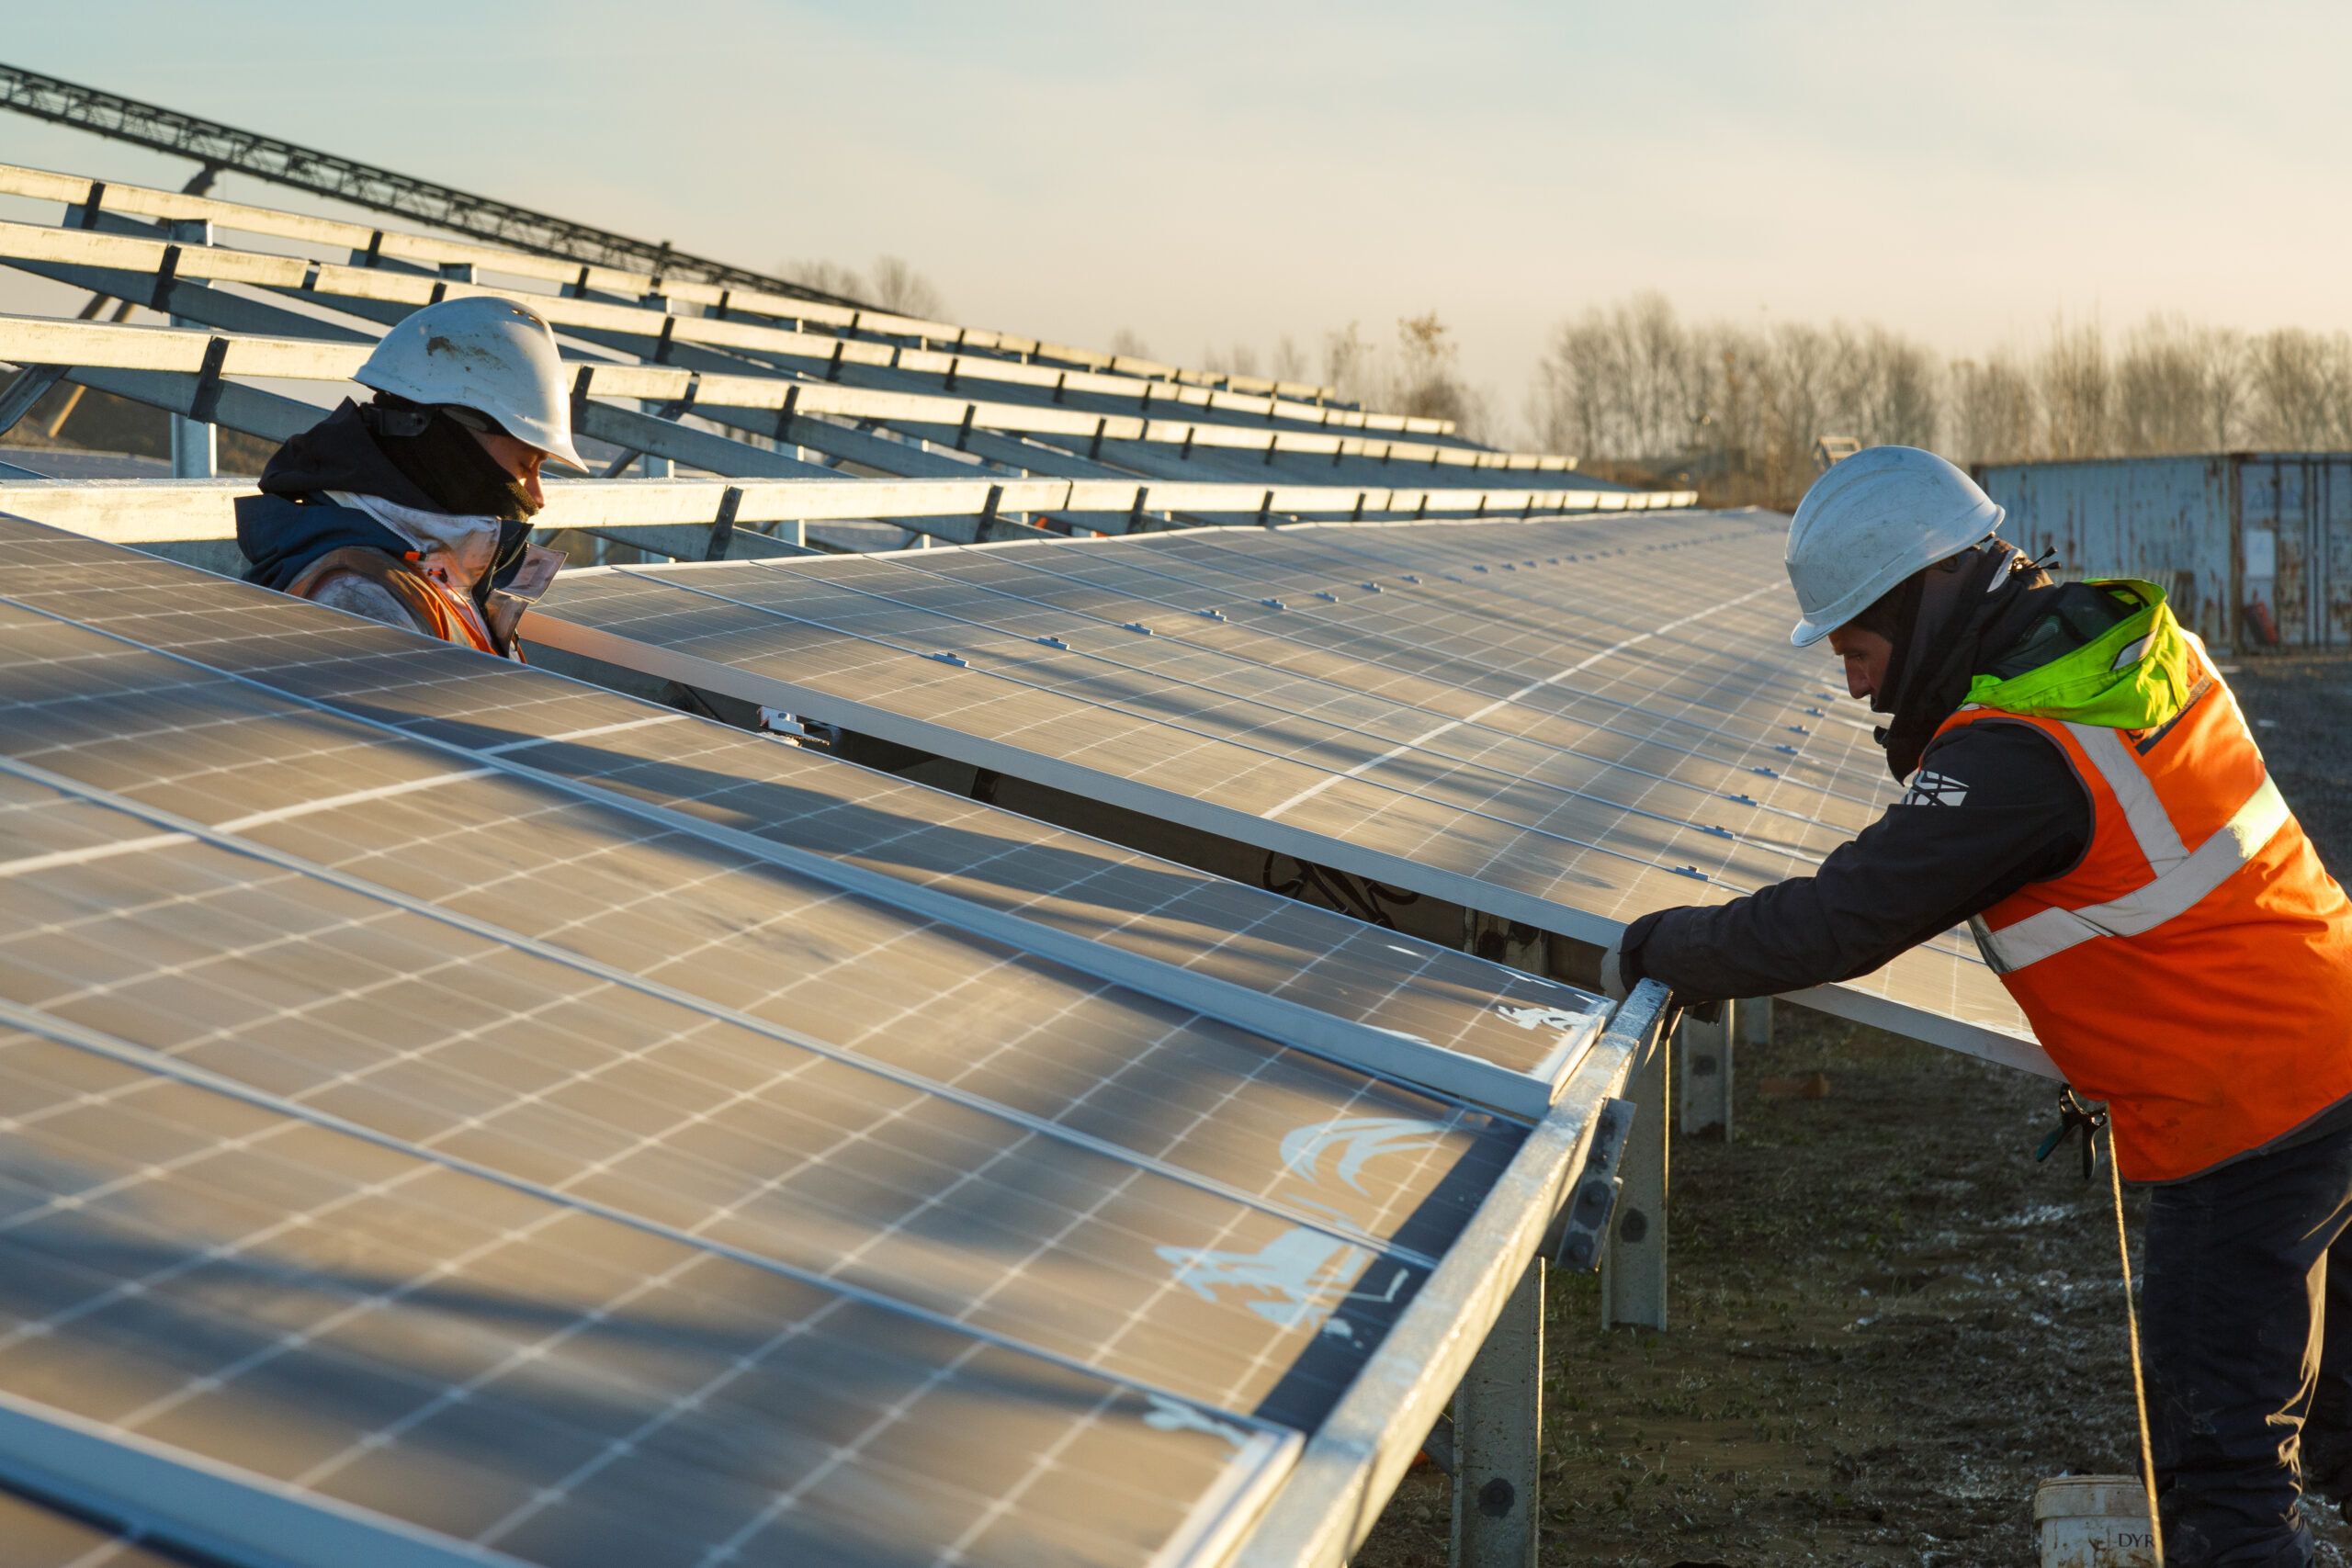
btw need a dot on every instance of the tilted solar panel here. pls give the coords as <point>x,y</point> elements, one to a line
<point>1565,722</point>
<point>447,1090</point>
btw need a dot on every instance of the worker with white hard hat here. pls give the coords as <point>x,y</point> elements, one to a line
<point>415,509</point>
<point>2086,796</point>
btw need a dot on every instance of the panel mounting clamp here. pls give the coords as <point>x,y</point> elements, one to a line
<point>206,401</point>
<point>722,528</point>
<point>1593,1201</point>
<point>161,299</point>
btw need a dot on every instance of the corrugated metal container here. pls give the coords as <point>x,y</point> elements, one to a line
<point>2253,546</point>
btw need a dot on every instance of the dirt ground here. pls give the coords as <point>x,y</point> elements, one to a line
<point>1889,1322</point>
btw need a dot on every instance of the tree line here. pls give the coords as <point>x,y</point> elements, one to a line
<point>1736,409</point>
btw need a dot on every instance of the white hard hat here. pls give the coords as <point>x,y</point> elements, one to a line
<point>484,353</point>
<point>1873,519</point>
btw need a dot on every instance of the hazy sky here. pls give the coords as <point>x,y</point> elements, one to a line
<point>1207,173</point>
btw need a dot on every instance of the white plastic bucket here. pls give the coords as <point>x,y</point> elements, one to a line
<point>2093,1521</point>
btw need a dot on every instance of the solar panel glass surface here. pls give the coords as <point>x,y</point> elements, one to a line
<point>1569,722</point>
<point>359,1324</point>
<point>409,905</point>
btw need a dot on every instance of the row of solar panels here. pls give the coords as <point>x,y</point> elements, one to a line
<point>397,251</point>
<point>733,390</point>
<point>1565,723</point>
<point>449,1106</point>
<point>455,1113</point>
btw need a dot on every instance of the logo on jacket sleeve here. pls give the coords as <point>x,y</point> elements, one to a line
<point>1935,789</point>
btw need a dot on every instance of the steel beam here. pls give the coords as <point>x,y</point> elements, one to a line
<point>362,185</point>
<point>1499,1436</point>
<point>1633,1271</point>
<point>1703,1072</point>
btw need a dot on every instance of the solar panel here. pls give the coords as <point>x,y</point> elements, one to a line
<point>346,968</point>
<point>367,1334</point>
<point>1551,722</point>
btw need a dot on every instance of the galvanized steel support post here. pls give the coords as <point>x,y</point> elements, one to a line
<point>1704,1071</point>
<point>196,443</point>
<point>1499,1436</point>
<point>1633,1271</point>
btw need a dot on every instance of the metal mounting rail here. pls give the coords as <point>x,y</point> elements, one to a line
<point>221,146</point>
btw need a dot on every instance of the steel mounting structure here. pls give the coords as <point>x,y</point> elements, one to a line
<point>218,146</point>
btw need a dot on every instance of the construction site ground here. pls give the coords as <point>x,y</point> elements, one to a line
<point>1888,1322</point>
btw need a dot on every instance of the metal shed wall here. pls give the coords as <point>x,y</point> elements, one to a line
<point>2220,534</point>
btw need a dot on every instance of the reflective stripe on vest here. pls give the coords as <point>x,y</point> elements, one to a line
<point>2183,877</point>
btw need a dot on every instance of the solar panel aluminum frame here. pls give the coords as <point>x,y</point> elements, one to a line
<point>198,1505</point>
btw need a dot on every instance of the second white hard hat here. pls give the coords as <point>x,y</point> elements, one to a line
<point>484,353</point>
<point>1871,521</point>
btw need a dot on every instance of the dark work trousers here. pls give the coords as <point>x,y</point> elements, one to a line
<point>2247,1313</point>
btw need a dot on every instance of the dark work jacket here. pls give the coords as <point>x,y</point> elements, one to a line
<point>281,535</point>
<point>1992,808</point>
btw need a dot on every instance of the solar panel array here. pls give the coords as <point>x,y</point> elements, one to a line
<point>440,1097</point>
<point>734,381</point>
<point>1558,722</point>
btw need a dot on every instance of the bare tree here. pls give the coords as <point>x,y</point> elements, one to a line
<point>1290,360</point>
<point>2075,392</point>
<point>1127,343</point>
<point>1994,414</point>
<point>894,285</point>
<point>2300,383</point>
<point>898,288</point>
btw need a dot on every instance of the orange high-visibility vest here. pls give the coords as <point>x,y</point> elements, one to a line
<point>438,609</point>
<point>2194,969</point>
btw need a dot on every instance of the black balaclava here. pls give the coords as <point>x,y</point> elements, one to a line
<point>1946,617</point>
<point>435,449</point>
<point>440,457</point>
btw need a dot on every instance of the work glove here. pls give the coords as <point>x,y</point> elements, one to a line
<point>1612,974</point>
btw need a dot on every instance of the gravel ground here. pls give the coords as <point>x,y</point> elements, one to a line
<point>1889,1321</point>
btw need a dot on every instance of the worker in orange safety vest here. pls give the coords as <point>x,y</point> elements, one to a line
<point>2086,795</point>
<point>415,509</point>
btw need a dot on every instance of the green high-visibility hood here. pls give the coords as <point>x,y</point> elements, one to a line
<point>2135,675</point>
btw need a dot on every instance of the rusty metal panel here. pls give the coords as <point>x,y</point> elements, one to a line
<point>2167,520</point>
<point>2297,511</point>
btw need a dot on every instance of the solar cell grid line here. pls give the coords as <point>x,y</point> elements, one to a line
<point>1109,591</point>
<point>1403,734</point>
<point>876,568</point>
<point>1180,701</point>
<point>360,1012</point>
<point>1858,763</point>
<point>1715,808</point>
<point>1501,613</point>
<point>1381,653</point>
<point>698,932</point>
<point>1225,1132</point>
<point>1557,1014</point>
<point>1253,756</point>
<point>444,1353</point>
<point>1462,629</point>
<point>883,694</point>
<point>1866,785</point>
<point>490,708</point>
